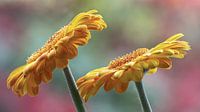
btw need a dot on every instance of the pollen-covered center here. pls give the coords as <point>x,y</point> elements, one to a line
<point>118,62</point>
<point>48,45</point>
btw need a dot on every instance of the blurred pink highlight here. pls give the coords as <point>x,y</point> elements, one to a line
<point>186,91</point>
<point>46,101</point>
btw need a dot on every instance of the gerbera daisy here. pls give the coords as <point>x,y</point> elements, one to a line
<point>61,47</point>
<point>132,66</point>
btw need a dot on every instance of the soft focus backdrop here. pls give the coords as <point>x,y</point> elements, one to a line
<point>25,25</point>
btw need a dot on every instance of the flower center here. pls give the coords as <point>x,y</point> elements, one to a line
<point>48,45</point>
<point>118,62</point>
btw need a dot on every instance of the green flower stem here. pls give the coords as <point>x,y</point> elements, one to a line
<point>143,99</point>
<point>73,90</point>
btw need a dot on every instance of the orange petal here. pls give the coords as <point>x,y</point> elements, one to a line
<point>121,87</point>
<point>109,84</point>
<point>164,62</point>
<point>61,62</point>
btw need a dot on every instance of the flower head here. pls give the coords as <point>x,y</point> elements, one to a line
<point>61,47</point>
<point>132,66</point>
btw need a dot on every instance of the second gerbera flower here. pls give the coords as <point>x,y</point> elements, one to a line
<point>132,66</point>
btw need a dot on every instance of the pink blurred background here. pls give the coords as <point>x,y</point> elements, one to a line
<point>26,25</point>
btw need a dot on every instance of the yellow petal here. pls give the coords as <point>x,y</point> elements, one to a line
<point>153,63</point>
<point>152,71</point>
<point>117,74</point>
<point>175,37</point>
<point>137,75</point>
<point>14,75</point>
<point>127,76</point>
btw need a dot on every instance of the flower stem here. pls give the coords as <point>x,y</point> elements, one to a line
<point>143,99</point>
<point>73,90</point>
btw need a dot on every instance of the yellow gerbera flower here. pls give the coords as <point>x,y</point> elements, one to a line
<point>132,66</point>
<point>61,47</point>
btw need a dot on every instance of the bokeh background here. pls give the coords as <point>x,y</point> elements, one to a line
<point>25,25</point>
